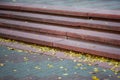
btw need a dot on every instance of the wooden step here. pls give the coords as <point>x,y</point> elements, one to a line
<point>80,46</point>
<point>62,20</point>
<point>89,31</point>
<point>93,36</point>
<point>29,37</point>
<point>59,10</point>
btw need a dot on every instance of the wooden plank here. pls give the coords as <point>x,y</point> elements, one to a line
<point>86,47</point>
<point>68,21</point>
<point>89,35</point>
<point>73,11</point>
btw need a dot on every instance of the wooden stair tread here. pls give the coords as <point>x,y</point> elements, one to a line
<point>110,14</point>
<point>84,30</point>
<point>65,31</point>
<point>87,47</point>
<point>96,24</point>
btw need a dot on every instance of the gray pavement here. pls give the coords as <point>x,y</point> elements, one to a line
<point>18,65</point>
<point>96,4</point>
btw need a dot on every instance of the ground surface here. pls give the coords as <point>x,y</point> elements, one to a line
<point>18,65</point>
<point>94,4</point>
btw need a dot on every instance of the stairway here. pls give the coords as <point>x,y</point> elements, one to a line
<point>82,30</point>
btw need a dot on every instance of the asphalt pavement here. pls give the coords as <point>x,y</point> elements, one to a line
<point>92,4</point>
<point>19,65</point>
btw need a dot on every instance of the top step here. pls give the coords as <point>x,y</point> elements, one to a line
<point>67,11</point>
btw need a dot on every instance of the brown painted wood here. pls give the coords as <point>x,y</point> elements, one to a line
<point>60,20</point>
<point>100,38</point>
<point>86,47</point>
<point>109,14</point>
<point>89,35</point>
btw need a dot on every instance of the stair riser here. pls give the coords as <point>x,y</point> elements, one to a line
<point>45,11</point>
<point>31,29</point>
<point>64,23</point>
<point>64,34</point>
<point>62,11</point>
<point>41,20</point>
<point>34,41</point>
<point>100,40</point>
<point>83,50</point>
<point>62,46</point>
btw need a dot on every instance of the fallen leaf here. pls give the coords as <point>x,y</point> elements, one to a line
<point>14,70</point>
<point>96,70</point>
<point>118,77</point>
<point>37,67</point>
<point>65,74</point>
<point>95,78</point>
<point>1,64</point>
<point>61,67</point>
<point>59,78</point>
<point>79,64</point>
<point>50,66</point>
<point>26,59</point>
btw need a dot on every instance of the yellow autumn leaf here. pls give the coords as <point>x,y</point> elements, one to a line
<point>1,64</point>
<point>76,67</point>
<point>9,48</point>
<point>50,66</point>
<point>104,70</point>
<point>19,50</point>
<point>118,77</point>
<point>26,59</point>
<point>89,64</point>
<point>79,64</point>
<point>59,78</point>
<point>65,74</point>
<point>61,67</point>
<point>14,70</point>
<point>96,70</point>
<point>37,67</point>
<point>75,72</point>
<point>65,69</point>
<point>95,78</point>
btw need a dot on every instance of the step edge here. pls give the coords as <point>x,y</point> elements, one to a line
<point>57,42</point>
<point>65,23</point>
<point>65,33</point>
<point>110,14</point>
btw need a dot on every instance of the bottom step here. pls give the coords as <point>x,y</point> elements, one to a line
<point>80,46</point>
